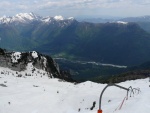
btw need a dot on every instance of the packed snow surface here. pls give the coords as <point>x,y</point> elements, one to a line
<point>39,94</point>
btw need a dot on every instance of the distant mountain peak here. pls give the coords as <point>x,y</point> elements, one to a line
<point>122,22</point>
<point>19,18</point>
<point>71,18</point>
<point>29,17</point>
<point>59,17</point>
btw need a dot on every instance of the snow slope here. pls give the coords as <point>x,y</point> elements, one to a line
<point>36,94</point>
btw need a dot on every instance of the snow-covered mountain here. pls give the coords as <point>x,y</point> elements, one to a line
<point>30,17</point>
<point>39,94</point>
<point>20,18</point>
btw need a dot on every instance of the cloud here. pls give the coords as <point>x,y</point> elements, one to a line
<point>5,3</point>
<point>22,7</point>
<point>75,7</point>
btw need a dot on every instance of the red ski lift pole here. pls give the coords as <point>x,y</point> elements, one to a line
<point>99,111</point>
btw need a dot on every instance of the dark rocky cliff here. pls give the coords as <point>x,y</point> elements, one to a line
<point>18,61</point>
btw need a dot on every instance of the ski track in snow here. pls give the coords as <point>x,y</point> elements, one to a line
<point>43,95</point>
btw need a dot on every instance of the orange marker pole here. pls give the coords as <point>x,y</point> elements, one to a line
<point>99,111</point>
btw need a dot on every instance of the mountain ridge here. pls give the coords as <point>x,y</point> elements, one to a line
<point>145,18</point>
<point>118,43</point>
<point>30,17</point>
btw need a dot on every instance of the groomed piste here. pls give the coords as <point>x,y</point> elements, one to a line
<point>41,94</point>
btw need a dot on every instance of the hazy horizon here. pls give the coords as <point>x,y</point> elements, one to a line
<point>77,8</point>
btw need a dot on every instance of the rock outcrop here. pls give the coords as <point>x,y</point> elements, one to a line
<point>18,61</point>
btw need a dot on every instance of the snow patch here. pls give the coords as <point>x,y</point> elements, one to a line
<point>122,22</point>
<point>58,17</point>
<point>34,54</point>
<point>15,57</point>
<point>71,18</point>
<point>23,16</point>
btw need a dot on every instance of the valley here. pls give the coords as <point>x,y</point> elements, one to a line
<point>88,50</point>
<point>86,70</point>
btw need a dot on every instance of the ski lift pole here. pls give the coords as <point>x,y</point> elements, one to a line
<point>149,79</point>
<point>100,100</point>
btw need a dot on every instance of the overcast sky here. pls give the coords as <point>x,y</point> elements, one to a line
<point>76,8</point>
